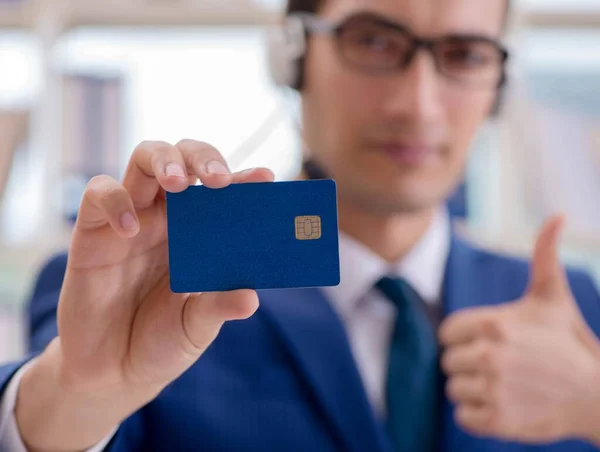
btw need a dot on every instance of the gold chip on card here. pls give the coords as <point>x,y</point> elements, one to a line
<point>308,228</point>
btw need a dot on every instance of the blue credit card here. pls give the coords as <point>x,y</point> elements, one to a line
<point>253,236</point>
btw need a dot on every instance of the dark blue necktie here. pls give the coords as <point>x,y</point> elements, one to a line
<point>413,371</point>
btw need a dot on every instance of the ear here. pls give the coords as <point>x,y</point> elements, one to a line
<point>300,68</point>
<point>498,102</point>
<point>500,95</point>
<point>299,82</point>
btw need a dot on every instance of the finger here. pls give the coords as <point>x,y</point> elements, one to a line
<point>478,419</point>
<point>152,166</point>
<point>206,162</point>
<point>105,201</point>
<point>155,165</point>
<point>203,314</point>
<point>547,278</point>
<point>473,388</point>
<point>192,179</point>
<point>253,175</point>
<point>473,357</point>
<point>245,176</point>
<point>470,324</point>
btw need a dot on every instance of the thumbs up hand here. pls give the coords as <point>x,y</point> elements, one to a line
<point>529,370</point>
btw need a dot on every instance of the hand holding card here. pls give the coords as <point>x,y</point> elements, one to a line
<point>124,335</point>
<point>253,236</point>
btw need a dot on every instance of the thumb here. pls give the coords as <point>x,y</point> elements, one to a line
<point>547,275</point>
<point>205,313</point>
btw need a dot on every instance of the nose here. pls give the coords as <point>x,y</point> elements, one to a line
<point>416,92</point>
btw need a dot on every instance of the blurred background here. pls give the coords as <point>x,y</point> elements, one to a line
<point>82,82</point>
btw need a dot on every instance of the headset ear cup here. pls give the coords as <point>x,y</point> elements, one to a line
<point>286,47</point>
<point>276,57</point>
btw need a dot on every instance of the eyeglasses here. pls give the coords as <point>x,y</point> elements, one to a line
<point>374,45</point>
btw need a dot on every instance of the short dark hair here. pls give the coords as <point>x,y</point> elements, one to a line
<point>308,6</point>
<point>312,6</point>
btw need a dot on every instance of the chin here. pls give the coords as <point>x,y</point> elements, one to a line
<point>412,204</point>
<point>396,201</point>
<point>391,190</point>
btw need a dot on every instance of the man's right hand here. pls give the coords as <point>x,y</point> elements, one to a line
<point>123,335</point>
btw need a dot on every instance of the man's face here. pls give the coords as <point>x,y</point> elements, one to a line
<point>396,141</point>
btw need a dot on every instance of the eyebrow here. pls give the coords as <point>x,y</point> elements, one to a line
<point>380,19</point>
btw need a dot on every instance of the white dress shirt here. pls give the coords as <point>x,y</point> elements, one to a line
<point>368,316</point>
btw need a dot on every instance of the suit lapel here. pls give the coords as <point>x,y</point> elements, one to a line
<point>479,278</point>
<point>467,283</point>
<point>317,341</point>
<point>473,278</point>
<point>464,286</point>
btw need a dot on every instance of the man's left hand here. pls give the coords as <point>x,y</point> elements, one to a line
<point>529,370</point>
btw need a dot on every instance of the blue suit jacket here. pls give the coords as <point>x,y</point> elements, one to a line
<point>286,379</point>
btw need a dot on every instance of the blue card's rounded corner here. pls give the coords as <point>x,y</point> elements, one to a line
<point>336,282</point>
<point>174,287</point>
<point>331,284</point>
<point>331,182</point>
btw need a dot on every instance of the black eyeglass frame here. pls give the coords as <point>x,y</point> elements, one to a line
<point>315,24</point>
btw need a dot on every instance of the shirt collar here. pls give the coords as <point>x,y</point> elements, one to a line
<point>423,267</point>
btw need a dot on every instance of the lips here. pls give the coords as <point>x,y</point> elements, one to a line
<point>409,155</point>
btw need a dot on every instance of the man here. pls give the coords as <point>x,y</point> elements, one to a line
<point>393,92</point>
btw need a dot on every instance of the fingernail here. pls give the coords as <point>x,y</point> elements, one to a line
<point>128,221</point>
<point>216,167</point>
<point>173,169</point>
